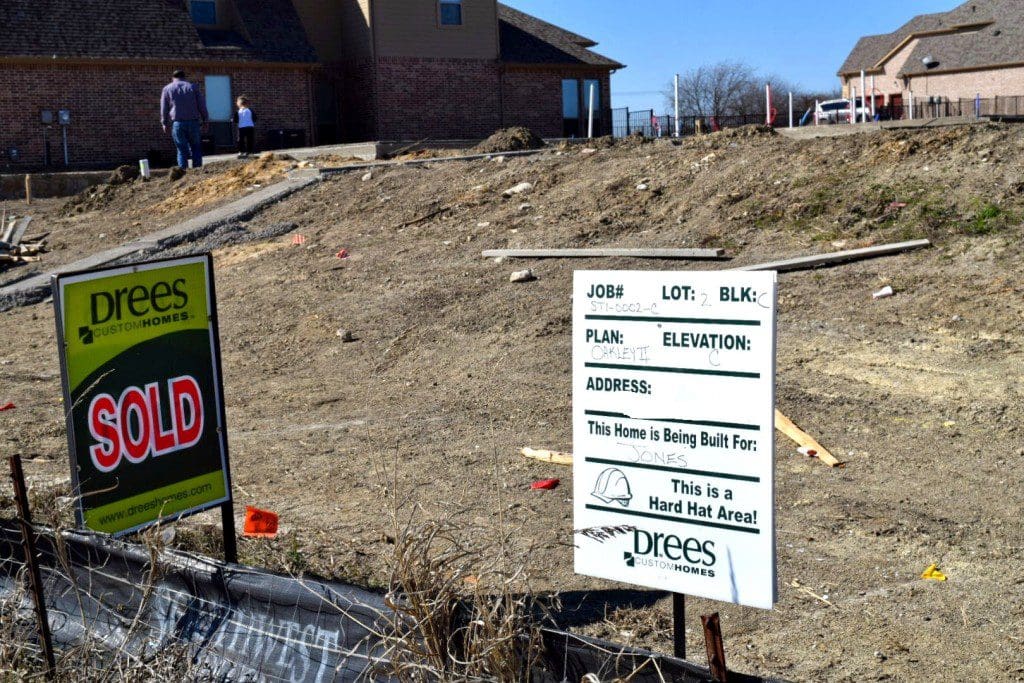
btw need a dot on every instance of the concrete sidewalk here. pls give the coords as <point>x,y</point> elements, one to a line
<point>841,129</point>
<point>37,288</point>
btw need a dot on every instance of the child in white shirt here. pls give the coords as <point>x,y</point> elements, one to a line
<point>246,121</point>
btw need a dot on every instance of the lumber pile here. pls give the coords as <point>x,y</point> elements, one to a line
<point>14,248</point>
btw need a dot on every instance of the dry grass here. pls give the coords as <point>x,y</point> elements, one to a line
<point>462,608</point>
<point>459,604</point>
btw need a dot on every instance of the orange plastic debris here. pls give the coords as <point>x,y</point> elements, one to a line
<point>260,523</point>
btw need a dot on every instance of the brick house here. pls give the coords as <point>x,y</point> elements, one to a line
<point>105,63</point>
<point>975,49</point>
<point>323,70</point>
<point>451,69</point>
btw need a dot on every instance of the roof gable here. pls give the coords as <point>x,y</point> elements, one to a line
<point>525,39</point>
<point>158,30</point>
<point>976,33</point>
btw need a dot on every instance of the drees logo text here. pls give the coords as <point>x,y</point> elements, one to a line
<point>138,301</point>
<point>672,553</point>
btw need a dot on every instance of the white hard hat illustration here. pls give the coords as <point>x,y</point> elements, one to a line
<point>613,487</point>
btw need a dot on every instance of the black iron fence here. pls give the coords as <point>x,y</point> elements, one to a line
<point>645,122</point>
<point>631,122</point>
<point>979,107</point>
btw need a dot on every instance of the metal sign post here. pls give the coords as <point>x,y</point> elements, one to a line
<point>679,625</point>
<point>35,580</point>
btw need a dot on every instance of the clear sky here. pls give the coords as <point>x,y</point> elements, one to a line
<point>805,41</point>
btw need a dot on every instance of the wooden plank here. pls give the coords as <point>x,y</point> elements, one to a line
<point>8,229</point>
<point>677,254</point>
<point>806,262</point>
<point>804,440</point>
<point>19,230</point>
<point>553,457</point>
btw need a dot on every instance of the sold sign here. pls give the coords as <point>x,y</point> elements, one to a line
<point>131,427</point>
<point>141,372</point>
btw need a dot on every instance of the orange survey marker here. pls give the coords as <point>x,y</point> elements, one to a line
<point>260,523</point>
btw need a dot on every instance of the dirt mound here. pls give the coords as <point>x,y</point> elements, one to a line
<point>753,131</point>
<point>264,170</point>
<point>123,175</point>
<point>510,140</point>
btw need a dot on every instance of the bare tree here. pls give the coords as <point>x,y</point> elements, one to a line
<point>735,89</point>
<point>714,90</point>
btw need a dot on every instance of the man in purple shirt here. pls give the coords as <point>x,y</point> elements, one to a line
<point>183,110</point>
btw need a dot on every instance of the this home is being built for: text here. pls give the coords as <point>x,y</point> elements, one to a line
<point>976,49</point>
<point>315,71</point>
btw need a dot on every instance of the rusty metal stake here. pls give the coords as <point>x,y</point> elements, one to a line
<point>716,648</point>
<point>35,581</point>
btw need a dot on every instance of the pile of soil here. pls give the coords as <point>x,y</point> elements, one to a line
<point>123,174</point>
<point>515,139</point>
<point>752,131</point>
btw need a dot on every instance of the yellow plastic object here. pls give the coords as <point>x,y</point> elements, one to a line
<point>933,574</point>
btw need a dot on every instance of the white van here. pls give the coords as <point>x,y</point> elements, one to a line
<point>838,111</point>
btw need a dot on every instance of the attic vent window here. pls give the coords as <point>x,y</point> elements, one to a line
<point>204,12</point>
<point>451,12</point>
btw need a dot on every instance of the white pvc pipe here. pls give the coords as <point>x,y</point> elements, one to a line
<point>768,107</point>
<point>817,104</point>
<point>590,122</point>
<point>911,105</point>
<point>679,130</point>
<point>863,95</point>
<point>853,105</point>
<point>873,112</point>
<point>790,110</point>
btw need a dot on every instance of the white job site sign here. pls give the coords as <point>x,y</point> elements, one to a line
<point>673,418</point>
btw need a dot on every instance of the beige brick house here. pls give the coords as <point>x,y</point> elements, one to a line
<point>975,49</point>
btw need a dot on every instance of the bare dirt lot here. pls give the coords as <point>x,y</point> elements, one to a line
<point>453,369</point>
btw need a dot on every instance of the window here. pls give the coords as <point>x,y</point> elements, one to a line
<point>204,12</point>
<point>218,97</point>
<point>570,99</point>
<point>451,12</point>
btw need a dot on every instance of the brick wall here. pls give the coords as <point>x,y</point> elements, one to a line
<point>437,98</point>
<point>356,84</point>
<point>991,83</point>
<point>115,109</point>
<point>533,98</point>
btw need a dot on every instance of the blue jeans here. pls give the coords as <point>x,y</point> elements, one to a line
<point>186,136</point>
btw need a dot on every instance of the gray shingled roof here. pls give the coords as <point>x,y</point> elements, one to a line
<point>999,41</point>
<point>271,31</point>
<point>525,39</point>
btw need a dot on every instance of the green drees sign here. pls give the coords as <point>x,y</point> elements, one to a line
<point>142,387</point>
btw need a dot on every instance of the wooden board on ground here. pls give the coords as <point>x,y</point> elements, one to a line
<point>804,440</point>
<point>20,227</point>
<point>676,254</point>
<point>806,262</point>
<point>553,457</point>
